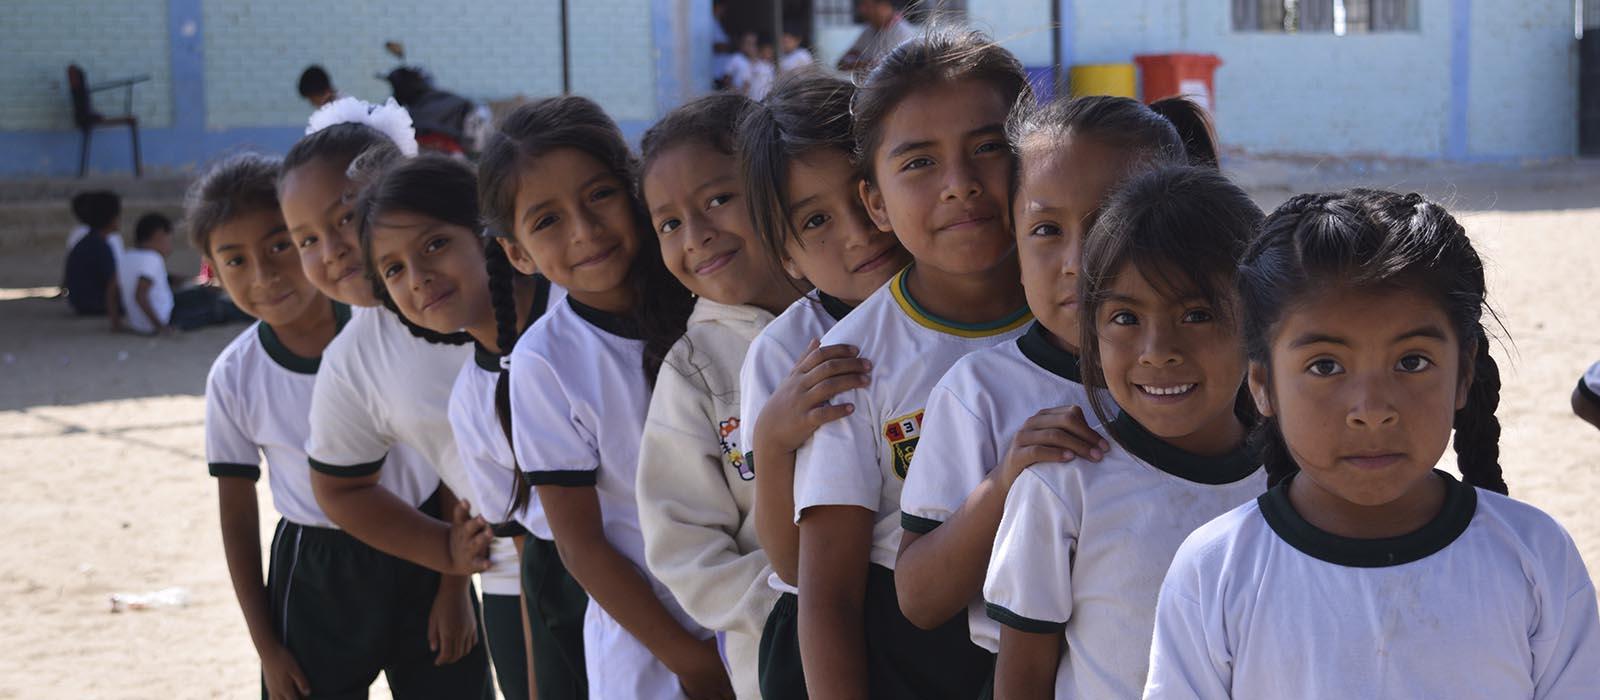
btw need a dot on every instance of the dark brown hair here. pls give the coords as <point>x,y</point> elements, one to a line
<point>242,184</point>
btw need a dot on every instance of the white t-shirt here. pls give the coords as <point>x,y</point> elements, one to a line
<point>485,451</point>
<point>862,459</point>
<point>772,355</point>
<point>381,386</point>
<point>795,60</point>
<point>762,75</point>
<point>973,413</point>
<point>132,265</point>
<point>1488,600</point>
<point>1083,546</point>
<point>578,404</point>
<point>258,403</point>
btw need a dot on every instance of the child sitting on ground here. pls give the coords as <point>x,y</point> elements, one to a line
<point>146,289</point>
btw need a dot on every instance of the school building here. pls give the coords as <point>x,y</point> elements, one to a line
<point>1474,80</point>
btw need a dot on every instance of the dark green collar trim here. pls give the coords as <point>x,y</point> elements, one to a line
<point>1036,346</point>
<point>1215,471</point>
<point>835,306</point>
<point>615,324</point>
<point>286,359</point>
<point>1460,504</point>
<point>490,362</point>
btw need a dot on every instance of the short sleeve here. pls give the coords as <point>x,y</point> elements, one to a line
<point>765,366</point>
<point>955,453</point>
<point>345,436</point>
<point>1566,638</point>
<point>230,451</point>
<point>839,465</point>
<point>553,446</point>
<point>1184,665</point>
<point>1029,583</point>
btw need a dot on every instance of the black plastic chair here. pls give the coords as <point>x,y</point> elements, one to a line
<point>88,120</point>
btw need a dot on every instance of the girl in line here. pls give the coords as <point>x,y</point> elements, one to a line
<point>381,387</point>
<point>803,193</point>
<point>1366,571</point>
<point>558,176</point>
<point>419,222</point>
<point>1001,409</point>
<point>930,134</point>
<point>695,489</point>
<point>1081,549</point>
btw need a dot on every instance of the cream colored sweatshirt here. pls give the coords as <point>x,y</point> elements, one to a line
<point>695,491</point>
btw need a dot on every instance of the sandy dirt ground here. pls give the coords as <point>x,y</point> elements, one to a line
<point>106,488</point>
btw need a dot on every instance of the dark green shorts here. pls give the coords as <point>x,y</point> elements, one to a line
<point>502,624</point>
<point>905,661</point>
<point>782,677</point>
<point>347,611</point>
<point>556,604</point>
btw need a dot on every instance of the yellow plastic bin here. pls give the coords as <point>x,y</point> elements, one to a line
<point>1118,79</point>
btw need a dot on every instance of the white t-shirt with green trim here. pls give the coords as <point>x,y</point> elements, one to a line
<point>862,459</point>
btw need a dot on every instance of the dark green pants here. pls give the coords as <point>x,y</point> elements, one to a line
<point>556,604</point>
<point>347,611</point>
<point>782,677</point>
<point>905,661</point>
<point>502,624</point>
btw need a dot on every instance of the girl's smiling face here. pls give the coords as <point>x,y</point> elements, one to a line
<point>1173,361</point>
<point>255,259</point>
<point>708,241</point>
<point>1364,385</point>
<point>574,222</point>
<point>433,270</point>
<point>942,174</point>
<point>835,245</point>
<point>1059,194</point>
<point>318,204</point>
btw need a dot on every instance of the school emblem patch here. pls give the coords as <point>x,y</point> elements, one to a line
<point>902,434</point>
<point>730,448</point>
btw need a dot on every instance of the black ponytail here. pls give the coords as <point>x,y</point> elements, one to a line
<point>1364,239</point>
<point>1477,429</point>
<point>502,295</point>
<point>1194,127</point>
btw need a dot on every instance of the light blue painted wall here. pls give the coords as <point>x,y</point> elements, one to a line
<point>485,49</point>
<point>109,38</point>
<point>1523,97</point>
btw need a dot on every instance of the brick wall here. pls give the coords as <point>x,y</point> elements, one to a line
<point>109,38</point>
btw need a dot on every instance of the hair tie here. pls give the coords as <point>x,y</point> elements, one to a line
<point>505,362</point>
<point>389,119</point>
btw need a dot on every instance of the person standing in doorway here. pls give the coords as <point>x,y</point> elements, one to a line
<point>886,29</point>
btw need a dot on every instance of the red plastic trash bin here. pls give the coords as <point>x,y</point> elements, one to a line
<point>1169,74</point>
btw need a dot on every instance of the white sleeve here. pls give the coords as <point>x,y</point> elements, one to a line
<point>839,466</point>
<point>1566,642</point>
<point>553,446</point>
<point>765,366</point>
<point>955,453</point>
<point>1188,658</point>
<point>346,439</point>
<point>229,450</point>
<point>1029,583</point>
<point>689,516</point>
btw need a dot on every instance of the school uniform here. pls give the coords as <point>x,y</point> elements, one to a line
<point>381,386</point>
<point>1083,546</point>
<point>973,414</point>
<point>578,397</point>
<point>492,473</point>
<point>344,610</point>
<point>862,460</point>
<point>771,357</point>
<point>1489,599</point>
<point>148,264</point>
<point>696,491</point>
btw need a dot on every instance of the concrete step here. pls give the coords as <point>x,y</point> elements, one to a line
<point>61,189</point>
<point>35,213</point>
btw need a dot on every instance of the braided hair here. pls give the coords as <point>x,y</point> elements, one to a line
<point>1363,239</point>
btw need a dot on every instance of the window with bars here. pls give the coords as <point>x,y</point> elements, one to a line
<point>1338,17</point>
